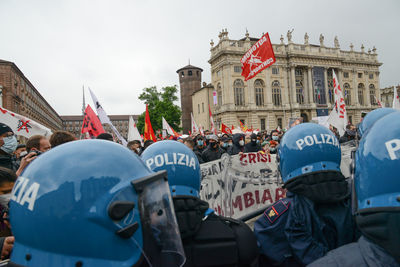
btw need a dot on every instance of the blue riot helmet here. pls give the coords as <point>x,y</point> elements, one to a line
<point>93,203</point>
<point>309,163</point>
<point>181,164</point>
<point>376,186</point>
<point>377,165</point>
<point>371,118</point>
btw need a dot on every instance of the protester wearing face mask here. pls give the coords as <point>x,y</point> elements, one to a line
<point>273,146</point>
<point>224,144</point>
<point>199,144</point>
<point>238,144</point>
<point>213,151</point>
<point>253,145</point>
<point>8,144</point>
<point>350,134</point>
<point>275,136</point>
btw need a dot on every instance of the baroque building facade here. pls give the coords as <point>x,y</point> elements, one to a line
<point>298,84</point>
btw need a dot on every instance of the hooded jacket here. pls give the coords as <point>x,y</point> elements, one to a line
<point>236,148</point>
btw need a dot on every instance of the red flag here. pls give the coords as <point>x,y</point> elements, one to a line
<point>259,57</point>
<point>233,127</point>
<point>148,130</point>
<point>91,123</point>
<point>225,129</point>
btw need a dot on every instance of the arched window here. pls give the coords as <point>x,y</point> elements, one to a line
<point>372,94</point>
<point>219,94</point>
<point>259,92</point>
<point>276,93</point>
<point>361,93</point>
<point>347,94</point>
<point>238,87</point>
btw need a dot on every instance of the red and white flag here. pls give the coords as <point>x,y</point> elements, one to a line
<point>338,115</point>
<point>195,128</point>
<point>213,130</point>
<point>259,57</point>
<point>168,128</point>
<point>22,125</point>
<point>396,99</point>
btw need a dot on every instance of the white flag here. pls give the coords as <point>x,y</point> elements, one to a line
<point>213,130</point>
<point>338,115</point>
<point>396,100</point>
<point>168,128</point>
<point>22,125</point>
<point>195,128</point>
<point>133,132</point>
<point>105,119</point>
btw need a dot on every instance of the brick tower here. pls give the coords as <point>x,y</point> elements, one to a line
<point>189,81</point>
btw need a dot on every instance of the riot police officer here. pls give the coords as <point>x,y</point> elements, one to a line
<point>376,194</point>
<point>315,217</point>
<point>208,239</point>
<point>371,118</point>
<point>93,203</point>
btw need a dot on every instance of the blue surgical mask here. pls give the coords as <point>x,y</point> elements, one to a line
<point>258,142</point>
<point>225,145</point>
<point>10,144</point>
<point>199,142</point>
<point>272,149</point>
<point>275,137</point>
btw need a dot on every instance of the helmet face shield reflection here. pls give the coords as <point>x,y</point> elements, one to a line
<point>162,243</point>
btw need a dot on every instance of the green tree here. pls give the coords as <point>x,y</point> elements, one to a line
<point>160,104</point>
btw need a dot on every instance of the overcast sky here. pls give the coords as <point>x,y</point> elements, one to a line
<point>118,47</point>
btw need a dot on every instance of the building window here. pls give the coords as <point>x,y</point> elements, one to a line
<point>331,93</point>
<point>347,94</point>
<point>275,71</point>
<point>238,87</point>
<point>359,75</point>
<point>279,121</point>
<point>276,93</point>
<point>361,93</point>
<point>237,69</point>
<point>197,72</point>
<point>345,74</point>
<point>202,107</point>
<point>198,108</point>
<point>372,94</point>
<point>219,94</point>
<point>299,86</point>
<point>259,92</point>
<point>182,74</point>
<point>371,76</point>
<point>262,124</point>
<point>351,119</point>
<point>190,73</point>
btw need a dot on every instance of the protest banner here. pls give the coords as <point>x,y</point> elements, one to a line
<point>235,186</point>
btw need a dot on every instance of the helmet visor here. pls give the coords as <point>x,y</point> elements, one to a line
<point>161,238</point>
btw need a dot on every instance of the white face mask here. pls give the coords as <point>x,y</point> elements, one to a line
<point>241,143</point>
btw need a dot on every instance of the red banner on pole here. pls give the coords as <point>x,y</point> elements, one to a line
<point>91,123</point>
<point>148,129</point>
<point>259,57</point>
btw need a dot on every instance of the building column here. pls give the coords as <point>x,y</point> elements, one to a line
<point>326,86</point>
<point>355,88</point>
<point>268,87</point>
<point>368,102</point>
<point>310,85</point>
<point>293,83</point>
<point>305,90</point>
<point>285,88</point>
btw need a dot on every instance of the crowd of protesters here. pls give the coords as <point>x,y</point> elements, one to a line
<point>14,158</point>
